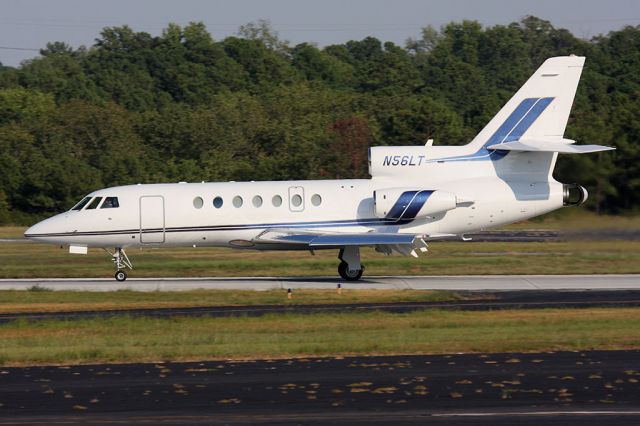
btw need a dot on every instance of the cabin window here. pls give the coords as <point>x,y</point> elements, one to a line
<point>296,200</point>
<point>237,201</point>
<point>276,201</point>
<point>94,203</point>
<point>217,202</point>
<point>81,204</point>
<point>198,202</point>
<point>110,203</point>
<point>257,201</point>
<point>316,200</point>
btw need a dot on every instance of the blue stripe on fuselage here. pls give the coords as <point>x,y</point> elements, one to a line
<point>370,222</point>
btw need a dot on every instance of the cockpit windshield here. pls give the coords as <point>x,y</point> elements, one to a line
<point>90,203</point>
<point>110,203</point>
<point>94,203</point>
<point>81,204</point>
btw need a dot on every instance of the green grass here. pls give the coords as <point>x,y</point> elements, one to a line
<point>50,301</point>
<point>578,219</point>
<point>129,339</point>
<point>12,231</point>
<point>19,260</point>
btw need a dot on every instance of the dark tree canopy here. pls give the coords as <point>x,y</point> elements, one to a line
<point>182,106</point>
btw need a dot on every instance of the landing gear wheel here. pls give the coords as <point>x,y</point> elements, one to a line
<point>347,274</point>
<point>121,261</point>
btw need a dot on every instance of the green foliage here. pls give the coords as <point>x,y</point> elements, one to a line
<point>315,64</point>
<point>24,105</point>
<point>262,31</point>
<point>182,106</point>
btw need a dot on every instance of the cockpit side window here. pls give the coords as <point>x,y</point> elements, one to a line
<point>81,204</point>
<point>110,203</point>
<point>94,203</point>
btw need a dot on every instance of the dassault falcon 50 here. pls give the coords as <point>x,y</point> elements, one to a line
<point>415,193</point>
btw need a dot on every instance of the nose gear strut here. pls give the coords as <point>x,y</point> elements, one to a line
<point>121,260</point>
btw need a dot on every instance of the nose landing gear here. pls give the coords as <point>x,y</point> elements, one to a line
<point>121,260</point>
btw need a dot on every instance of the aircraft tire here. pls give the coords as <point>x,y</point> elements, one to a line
<point>348,275</point>
<point>120,276</point>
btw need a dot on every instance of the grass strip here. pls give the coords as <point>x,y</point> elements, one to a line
<point>20,260</point>
<point>15,301</point>
<point>127,339</point>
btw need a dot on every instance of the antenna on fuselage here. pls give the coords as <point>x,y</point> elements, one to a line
<point>429,143</point>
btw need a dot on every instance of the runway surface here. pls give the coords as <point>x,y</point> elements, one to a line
<point>470,301</point>
<point>467,282</point>
<point>601,387</point>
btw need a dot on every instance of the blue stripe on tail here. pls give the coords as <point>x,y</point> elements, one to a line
<point>528,120</point>
<point>516,125</point>
<point>511,122</point>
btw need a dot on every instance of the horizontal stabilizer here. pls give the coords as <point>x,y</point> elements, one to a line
<point>563,146</point>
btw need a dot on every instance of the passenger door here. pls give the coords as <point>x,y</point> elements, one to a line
<point>152,219</point>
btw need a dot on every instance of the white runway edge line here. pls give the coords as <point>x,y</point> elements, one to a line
<point>438,282</point>
<point>540,413</point>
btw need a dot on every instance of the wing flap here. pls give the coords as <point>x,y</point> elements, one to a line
<point>406,244</point>
<point>318,240</point>
<point>367,239</point>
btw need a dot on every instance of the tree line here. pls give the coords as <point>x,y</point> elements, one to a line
<point>181,106</point>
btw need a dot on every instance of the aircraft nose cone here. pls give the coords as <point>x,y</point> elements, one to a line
<point>41,231</point>
<point>34,231</point>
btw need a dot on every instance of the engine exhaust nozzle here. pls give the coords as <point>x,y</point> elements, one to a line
<point>573,194</point>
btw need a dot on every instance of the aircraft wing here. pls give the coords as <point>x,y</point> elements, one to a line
<point>312,239</point>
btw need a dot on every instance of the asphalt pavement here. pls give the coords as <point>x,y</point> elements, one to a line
<point>468,301</point>
<point>434,282</point>
<point>560,388</point>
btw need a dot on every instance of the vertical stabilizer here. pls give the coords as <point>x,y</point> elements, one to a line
<point>540,109</point>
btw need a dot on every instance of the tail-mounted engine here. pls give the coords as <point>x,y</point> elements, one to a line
<point>573,194</point>
<point>409,204</point>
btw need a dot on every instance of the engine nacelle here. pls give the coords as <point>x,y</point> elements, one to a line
<point>408,203</point>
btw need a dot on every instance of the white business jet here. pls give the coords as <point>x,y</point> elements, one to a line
<point>415,194</point>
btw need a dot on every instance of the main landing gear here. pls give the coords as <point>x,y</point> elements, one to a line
<point>121,260</point>
<point>350,268</point>
<point>349,274</point>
